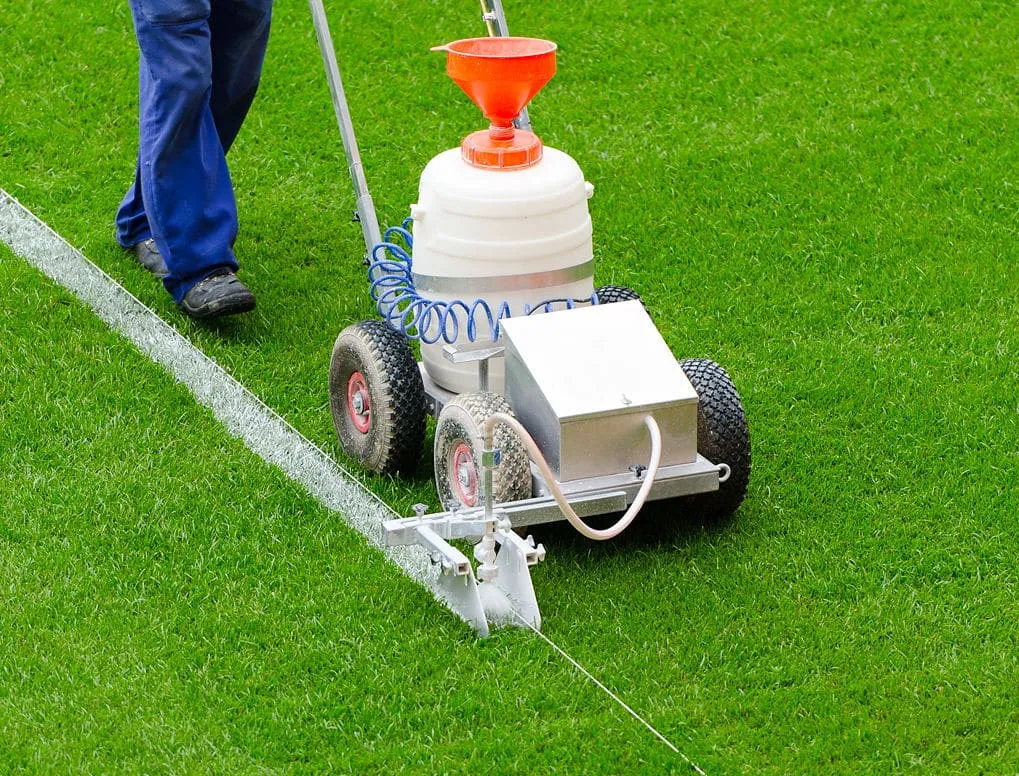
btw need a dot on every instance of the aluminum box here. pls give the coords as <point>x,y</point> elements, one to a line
<point>582,380</point>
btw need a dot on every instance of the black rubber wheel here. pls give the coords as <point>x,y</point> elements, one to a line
<point>459,441</point>
<point>613,294</point>
<point>722,437</point>
<point>377,398</point>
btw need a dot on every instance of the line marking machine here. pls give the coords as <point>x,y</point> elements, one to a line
<point>553,399</point>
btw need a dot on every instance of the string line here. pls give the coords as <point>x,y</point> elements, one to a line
<point>611,694</point>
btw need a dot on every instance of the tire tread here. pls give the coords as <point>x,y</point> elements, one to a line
<point>722,436</point>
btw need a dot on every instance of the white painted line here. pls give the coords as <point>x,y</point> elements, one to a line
<point>245,416</point>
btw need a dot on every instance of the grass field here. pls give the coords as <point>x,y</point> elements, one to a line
<point>821,198</point>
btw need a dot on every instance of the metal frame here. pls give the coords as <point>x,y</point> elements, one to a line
<point>504,593</point>
<point>506,587</point>
<point>589,498</point>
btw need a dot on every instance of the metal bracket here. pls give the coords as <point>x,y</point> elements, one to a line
<point>456,356</point>
<point>512,592</point>
<point>444,525</point>
<point>494,601</point>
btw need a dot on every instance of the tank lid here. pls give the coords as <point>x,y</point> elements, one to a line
<point>501,75</point>
<point>483,149</point>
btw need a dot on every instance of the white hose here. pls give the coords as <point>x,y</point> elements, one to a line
<point>535,454</point>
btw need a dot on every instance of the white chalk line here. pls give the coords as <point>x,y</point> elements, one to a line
<point>244,415</point>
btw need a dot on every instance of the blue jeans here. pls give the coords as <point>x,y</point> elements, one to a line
<point>201,61</point>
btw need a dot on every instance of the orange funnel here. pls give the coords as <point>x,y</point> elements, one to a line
<point>501,75</point>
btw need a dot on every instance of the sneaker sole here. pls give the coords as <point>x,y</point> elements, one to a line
<point>227,305</point>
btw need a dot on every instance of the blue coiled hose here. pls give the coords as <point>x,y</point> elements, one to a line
<point>404,309</point>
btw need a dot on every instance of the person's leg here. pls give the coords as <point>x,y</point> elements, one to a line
<point>133,232</point>
<point>240,33</point>
<point>132,225</point>
<point>185,186</point>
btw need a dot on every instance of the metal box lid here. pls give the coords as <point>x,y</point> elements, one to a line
<point>599,360</point>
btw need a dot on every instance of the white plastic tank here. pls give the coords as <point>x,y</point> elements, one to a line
<point>521,236</point>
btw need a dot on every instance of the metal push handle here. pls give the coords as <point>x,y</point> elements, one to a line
<point>494,17</point>
<point>365,207</point>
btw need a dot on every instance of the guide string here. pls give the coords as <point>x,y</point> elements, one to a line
<point>611,694</point>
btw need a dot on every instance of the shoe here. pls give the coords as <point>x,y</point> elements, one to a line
<point>148,256</point>
<point>217,295</point>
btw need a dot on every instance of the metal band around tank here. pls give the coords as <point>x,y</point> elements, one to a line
<point>441,284</point>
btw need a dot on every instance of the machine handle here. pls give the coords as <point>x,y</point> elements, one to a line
<point>365,206</point>
<point>495,19</point>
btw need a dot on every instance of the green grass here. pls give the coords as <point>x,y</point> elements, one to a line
<point>172,603</point>
<point>821,198</point>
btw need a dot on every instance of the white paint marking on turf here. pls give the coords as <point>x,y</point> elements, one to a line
<point>244,415</point>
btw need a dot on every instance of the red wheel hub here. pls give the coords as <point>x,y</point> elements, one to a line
<point>358,404</point>
<point>464,474</point>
